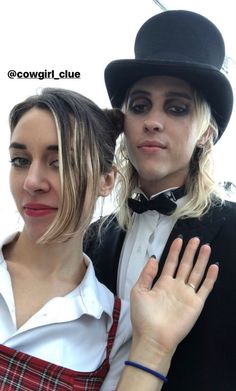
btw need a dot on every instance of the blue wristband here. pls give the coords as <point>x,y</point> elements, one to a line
<point>151,371</point>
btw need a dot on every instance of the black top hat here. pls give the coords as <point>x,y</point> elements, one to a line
<point>182,44</point>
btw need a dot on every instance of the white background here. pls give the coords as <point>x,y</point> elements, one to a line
<point>84,36</point>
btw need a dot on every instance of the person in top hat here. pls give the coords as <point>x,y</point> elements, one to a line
<point>176,103</point>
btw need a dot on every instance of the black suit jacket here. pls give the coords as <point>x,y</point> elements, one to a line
<point>206,359</point>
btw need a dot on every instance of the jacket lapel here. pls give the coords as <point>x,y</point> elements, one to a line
<point>206,228</point>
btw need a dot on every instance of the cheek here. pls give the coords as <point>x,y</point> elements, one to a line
<point>16,189</point>
<point>130,149</point>
<point>131,126</point>
<point>187,139</point>
<point>131,135</point>
<point>191,144</point>
<point>57,186</point>
<point>15,183</point>
<point>185,151</point>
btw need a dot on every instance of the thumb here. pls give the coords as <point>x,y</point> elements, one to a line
<point>148,274</point>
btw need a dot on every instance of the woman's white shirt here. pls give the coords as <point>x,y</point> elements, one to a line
<point>69,331</point>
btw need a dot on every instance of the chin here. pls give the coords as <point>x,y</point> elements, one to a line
<point>152,175</point>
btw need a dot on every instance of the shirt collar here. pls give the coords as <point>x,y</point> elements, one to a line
<point>90,297</point>
<point>137,190</point>
<point>3,241</point>
<point>95,296</point>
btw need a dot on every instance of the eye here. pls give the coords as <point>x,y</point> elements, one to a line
<point>55,163</point>
<point>139,106</point>
<point>20,162</point>
<point>178,109</point>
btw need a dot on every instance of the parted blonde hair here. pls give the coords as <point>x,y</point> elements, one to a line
<point>202,189</point>
<point>86,144</point>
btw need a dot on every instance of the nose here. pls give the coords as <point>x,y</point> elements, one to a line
<point>153,123</point>
<point>36,179</point>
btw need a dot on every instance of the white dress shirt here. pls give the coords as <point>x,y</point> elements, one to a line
<point>69,331</point>
<point>148,236</point>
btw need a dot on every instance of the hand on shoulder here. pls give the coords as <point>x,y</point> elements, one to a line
<point>165,313</point>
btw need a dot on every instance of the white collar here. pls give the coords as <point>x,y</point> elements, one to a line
<point>90,297</point>
<point>138,190</point>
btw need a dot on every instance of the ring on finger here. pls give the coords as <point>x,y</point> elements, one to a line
<point>191,285</point>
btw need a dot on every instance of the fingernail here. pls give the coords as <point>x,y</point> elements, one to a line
<point>180,236</point>
<point>154,256</point>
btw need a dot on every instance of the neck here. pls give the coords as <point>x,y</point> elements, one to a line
<point>60,260</point>
<point>155,187</point>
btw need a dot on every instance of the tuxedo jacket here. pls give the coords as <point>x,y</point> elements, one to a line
<point>206,359</point>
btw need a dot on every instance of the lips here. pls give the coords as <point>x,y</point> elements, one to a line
<point>38,210</point>
<point>151,145</point>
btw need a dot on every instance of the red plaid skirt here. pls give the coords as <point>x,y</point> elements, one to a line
<point>22,372</point>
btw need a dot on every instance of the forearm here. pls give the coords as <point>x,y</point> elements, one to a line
<point>150,356</point>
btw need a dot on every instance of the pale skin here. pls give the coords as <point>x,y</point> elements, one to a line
<point>161,131</point>
<point>162,316</point>
<point>34,179</point>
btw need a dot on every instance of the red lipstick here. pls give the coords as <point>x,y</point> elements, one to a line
<point>38,210</point>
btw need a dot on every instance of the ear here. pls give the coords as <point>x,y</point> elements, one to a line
<point>205,137</point>
<point>107,182</point>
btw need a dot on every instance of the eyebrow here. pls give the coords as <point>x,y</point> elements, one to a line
<point>179,95</point>
<point>15,145</point>
<point>169,94</point>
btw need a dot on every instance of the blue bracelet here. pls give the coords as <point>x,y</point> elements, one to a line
<point>151,371</point>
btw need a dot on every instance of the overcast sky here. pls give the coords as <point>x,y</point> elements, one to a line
<point>84,36</point>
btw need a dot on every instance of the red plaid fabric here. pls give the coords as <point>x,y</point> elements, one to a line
<point>22,372</point>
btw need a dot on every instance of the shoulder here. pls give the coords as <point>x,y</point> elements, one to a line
<point>102,230</point>
<point>104,223</point>
<point>222,216</point>
<point>230,205</point>
<point>226,210</point>
<point>223,220</point>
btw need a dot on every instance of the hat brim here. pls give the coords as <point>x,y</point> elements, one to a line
<point>120,75</point>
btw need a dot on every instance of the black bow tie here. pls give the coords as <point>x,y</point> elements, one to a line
<point>163,203</point>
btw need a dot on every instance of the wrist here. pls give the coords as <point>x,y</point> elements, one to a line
<point>150,354</point>
<point>157,374</point>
